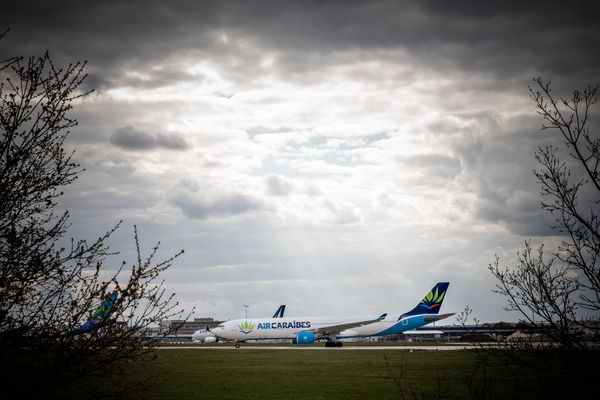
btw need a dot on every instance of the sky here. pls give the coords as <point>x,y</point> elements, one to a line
<point>340,157</point>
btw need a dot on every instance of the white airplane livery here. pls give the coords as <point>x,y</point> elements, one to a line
<point>306,330</point>
<point>206,336</point>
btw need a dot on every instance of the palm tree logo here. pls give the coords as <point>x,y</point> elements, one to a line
<point>432,300</point>
<point>246,327</point>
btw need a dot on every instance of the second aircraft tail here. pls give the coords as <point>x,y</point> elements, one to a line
<point>280,311</point>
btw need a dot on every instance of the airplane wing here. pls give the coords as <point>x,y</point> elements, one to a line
<point>335,329</point>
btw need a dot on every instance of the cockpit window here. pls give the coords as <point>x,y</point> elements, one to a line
<point>221,326</point>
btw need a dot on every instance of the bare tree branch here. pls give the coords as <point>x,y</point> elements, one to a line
<point>47,290</point>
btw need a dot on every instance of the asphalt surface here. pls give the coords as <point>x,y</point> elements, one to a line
<point>242,347</point>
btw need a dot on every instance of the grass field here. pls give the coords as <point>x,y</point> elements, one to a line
<point>363,374</point>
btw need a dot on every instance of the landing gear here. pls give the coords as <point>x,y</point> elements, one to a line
<point>237,345</point>
<point>333,344</point>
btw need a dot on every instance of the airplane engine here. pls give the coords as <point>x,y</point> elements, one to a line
<point>304,338</point>
<point>210,339</point>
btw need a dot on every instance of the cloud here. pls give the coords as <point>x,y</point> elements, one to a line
<point>491,157</point>
<point>520,211</point>
<point>433,166</point>
<point>199,205</point>
<point>278,186</point>
<point>129,138</point>
<point>343,213</point>
<point>357,142</point>
<point>500,38</point>
<point>171,141</point>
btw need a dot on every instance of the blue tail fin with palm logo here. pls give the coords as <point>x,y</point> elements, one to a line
<point>431,303</point>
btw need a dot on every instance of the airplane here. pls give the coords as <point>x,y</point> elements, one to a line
<point>206,336</point>
<point>306,330</point>
<point>99,317</point>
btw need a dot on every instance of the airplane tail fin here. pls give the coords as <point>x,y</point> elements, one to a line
<point>99,317</point>
<point>431,303</point>
<point>280,311</point>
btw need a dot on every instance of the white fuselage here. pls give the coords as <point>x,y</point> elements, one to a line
<point>288,328</point>
<point>202,335</point>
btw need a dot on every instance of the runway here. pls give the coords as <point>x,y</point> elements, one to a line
<point>305,348</point>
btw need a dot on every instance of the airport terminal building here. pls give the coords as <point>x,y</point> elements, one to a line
<point>187,328</point>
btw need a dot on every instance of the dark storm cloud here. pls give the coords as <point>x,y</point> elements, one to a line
<point>129,138</point>
<point>520,212</point>
<point>498,165</point>
<point>171,141</point>
<point>196,206</point>
<point>499,37</point>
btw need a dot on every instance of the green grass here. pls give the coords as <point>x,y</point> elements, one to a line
<point>292,374</point>
<point>269,374</point>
